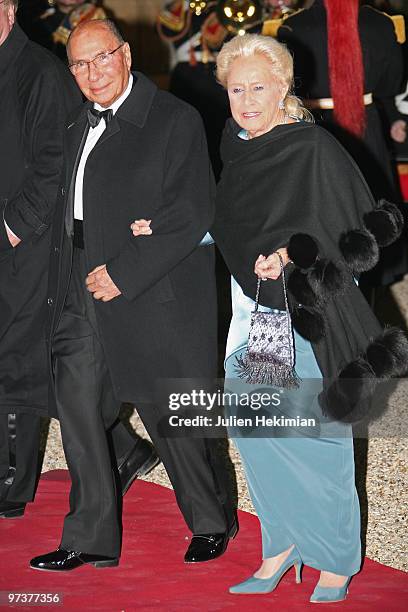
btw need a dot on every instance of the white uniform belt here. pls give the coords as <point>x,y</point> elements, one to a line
<point>328,103</point>
<point>185,56</point>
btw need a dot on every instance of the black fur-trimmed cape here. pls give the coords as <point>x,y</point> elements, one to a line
<point>297,187</point>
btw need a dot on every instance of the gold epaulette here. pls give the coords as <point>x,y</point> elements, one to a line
<point>100,13</point>
<point>398,23</point>
<point>85,12</point>
<point>399,27</point>
<point>271,26</point>
<point>174,16</point>
<point>61,35</point>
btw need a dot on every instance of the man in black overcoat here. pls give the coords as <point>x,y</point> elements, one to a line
<point>36,93</point>
<point>126,313</point>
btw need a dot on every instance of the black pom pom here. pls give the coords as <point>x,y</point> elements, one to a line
<point>359,368</point>
<point>299,287</point>
<point>388,354</point>
<point>302,250</point>
<point>359,249</point>
<point>308,323</point>
<point>327,279</point>
<point>394,210</point>
<point>380,359</point>
<point>348,399</point>
<point>385,223</point>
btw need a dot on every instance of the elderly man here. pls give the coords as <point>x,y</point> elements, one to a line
<point>125,312</point>
<point>36,93</point>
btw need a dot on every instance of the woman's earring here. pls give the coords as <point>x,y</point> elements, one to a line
<point>281,105</point>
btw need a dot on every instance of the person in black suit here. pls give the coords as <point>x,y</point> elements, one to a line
<point>36,94</point>
<point>128,313</point>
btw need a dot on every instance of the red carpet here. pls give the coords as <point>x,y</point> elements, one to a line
<point>152,576</point>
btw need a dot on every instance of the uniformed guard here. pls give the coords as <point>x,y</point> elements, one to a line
<point>275,13</point>
<point>53,27</point>
<point>399,127</point>
<point>347,59</point>
<point>195,35</point>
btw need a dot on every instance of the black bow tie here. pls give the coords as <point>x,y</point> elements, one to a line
<point>94,116</point>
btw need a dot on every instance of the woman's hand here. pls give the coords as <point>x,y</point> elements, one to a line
<point>141,227</point>
<point>269,267</point>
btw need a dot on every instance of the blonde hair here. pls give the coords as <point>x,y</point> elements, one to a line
<point>279,58</point>
<point>13,3</point>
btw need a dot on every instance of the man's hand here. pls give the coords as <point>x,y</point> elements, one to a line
<point>101,285</point>
<point>14,241</point>
<point>141,227</point>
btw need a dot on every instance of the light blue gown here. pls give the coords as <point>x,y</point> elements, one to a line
<point>302,486</point>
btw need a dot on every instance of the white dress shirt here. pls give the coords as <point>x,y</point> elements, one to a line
<point>94,135</point>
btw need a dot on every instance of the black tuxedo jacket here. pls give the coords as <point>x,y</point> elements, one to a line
<point>151,162</point>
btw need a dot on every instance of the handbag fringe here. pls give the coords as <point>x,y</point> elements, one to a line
<point>266,372</point>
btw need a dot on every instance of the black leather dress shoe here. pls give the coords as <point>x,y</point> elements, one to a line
<point>208,546</point>
<point>205,547</point>
<point>65,560</point>
<point>11,509</point>
<point>139,462</point>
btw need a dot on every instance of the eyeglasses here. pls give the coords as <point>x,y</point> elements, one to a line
<point>101,61</point>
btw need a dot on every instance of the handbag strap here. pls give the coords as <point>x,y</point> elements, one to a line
<point>285,293</point>
<point>286,301</point>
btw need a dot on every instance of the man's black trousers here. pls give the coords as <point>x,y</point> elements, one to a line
<point>87,408</point>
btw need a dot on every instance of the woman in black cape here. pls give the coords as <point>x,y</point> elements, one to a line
<point>290,194</point>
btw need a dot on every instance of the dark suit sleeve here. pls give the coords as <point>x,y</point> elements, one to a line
<point>44,102</point>
<point>391,111</point>
<point>183,216</point>
<point>391,69</point>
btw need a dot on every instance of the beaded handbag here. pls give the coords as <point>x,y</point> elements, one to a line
<point>270,354</point>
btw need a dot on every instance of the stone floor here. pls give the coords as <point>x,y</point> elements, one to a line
<point>381,463</point>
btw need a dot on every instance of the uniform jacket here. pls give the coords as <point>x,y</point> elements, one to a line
<point>36,93</point>
<point>52,28</point>
<point>151,162</point>
<point>305,33</point>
